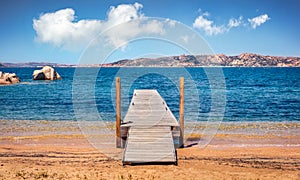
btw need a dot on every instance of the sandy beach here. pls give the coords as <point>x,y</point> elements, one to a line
<point>149,90</point>
<point>32,152</point>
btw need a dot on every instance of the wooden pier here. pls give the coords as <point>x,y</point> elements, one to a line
<point>149,132</point>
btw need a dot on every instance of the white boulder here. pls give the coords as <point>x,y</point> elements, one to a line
<point>8,78</point>
<point>46,73</point>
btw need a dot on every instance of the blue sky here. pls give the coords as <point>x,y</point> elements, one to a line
<point>230,27</point>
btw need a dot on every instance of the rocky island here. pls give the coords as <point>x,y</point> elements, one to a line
<point>46,73</point>
<point>8,78</point>
<point>242,60</point>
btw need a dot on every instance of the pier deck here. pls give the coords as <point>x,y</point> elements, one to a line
<point>149,131</point>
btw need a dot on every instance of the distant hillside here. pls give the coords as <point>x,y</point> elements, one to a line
<point>243,60</point>
<point>34,64</point>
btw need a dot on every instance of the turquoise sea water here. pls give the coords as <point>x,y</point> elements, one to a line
<point>252,94</point>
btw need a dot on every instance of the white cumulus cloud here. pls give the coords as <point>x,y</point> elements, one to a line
<point>202,23</point>
<point>210,28</point>
<point>119,35</point>
<point>259,20</point>
<point>170,22</point>
<point>61,28</point>
<point>235,22</point>
<point>124,13</point>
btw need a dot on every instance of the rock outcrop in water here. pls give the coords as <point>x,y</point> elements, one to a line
<point>46,73</point>
<point>8,78</point>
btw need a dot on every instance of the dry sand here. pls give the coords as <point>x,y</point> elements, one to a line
<point>72,157</point>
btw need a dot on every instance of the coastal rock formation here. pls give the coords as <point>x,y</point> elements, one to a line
<point>8,78</point>
<point>46,73</point>
<point>242,60</point>
<point>255,60</point>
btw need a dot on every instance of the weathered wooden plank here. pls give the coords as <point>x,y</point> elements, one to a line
<point>148,108</point>
<point>156,158</point>
<point>146,158</point>
<point>151,148</point>
<point>145,139</point>
<point>156,148</point>
<point>159,149</point>
<point>166,150</point>
<point>151,154</point>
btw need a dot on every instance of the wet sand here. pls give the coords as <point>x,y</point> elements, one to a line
<point>41,150</point>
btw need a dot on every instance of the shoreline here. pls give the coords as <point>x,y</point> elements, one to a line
<point>59,150</point>
<point>231,134</point>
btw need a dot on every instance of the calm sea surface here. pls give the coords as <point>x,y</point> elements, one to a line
<point>252,94</point>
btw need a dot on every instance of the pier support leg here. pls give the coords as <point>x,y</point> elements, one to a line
<point>118,113</point>
<point>181,112</point>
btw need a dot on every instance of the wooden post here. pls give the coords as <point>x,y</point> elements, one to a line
<point>181,112</point>
<point>118,113</point>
